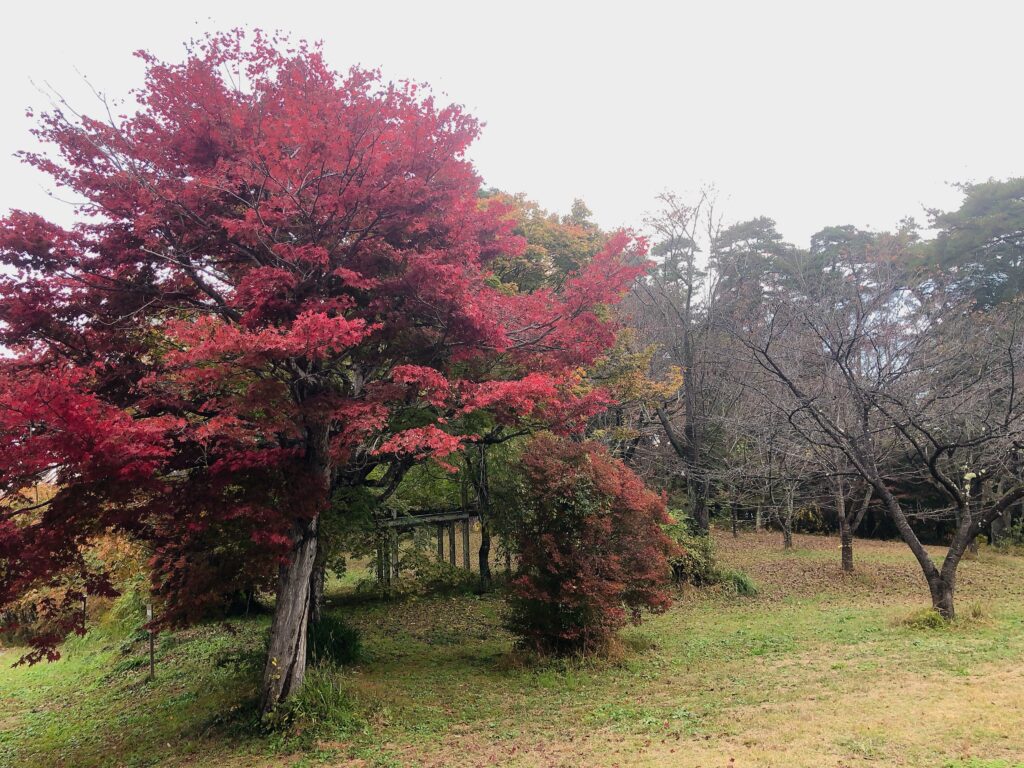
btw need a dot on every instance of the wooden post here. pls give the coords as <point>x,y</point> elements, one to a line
<point>735,532</point>
<point>465,544</point>
<point>394,552</point>
<point>380,561</point>
<point>152,653</point>
<point>440,543</point>
<point>451,543</point>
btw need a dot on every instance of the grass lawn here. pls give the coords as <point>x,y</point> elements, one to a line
<point>817,670</point>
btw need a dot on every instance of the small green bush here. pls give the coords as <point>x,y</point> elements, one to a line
<point>432,575</point>
<point>1012,540</point>
<point>127,615</point>
<point>321,710</point>
<point>696,562</point>
<point>740,582</point>
<point>925,618</point>
<point>332,640</point>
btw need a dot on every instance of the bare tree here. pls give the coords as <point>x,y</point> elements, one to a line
<point>672,309</point>
<point>928,384</point>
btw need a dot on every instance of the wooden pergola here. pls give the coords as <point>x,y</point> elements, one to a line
<point>444,520</point>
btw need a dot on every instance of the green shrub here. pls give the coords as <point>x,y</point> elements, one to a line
<point>433,575</point>
<point>1012,539</point>
<point>127,615</point>
<point>332,640</point>
<point>696,563</point>
<point>321,710</point>
<point>925,618</point>
<point>740,582</point>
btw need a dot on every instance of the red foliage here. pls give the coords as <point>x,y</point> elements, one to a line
<point>262,258</point>
<point>592,554</point>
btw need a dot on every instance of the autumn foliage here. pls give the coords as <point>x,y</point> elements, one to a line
<point>280,287</point>
<point>592,554</point>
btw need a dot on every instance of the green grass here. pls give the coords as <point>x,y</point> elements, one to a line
<point>819,668</point>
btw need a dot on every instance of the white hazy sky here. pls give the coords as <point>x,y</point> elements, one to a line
<point>813,113</point>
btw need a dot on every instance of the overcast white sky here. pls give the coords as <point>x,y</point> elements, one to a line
<point>813,113</point>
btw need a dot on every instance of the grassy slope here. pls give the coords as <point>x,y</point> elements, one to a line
<point>816,671</point>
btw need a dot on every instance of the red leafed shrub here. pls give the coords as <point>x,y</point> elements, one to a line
<point>592,554</point>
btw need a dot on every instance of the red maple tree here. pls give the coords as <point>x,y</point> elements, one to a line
<point>278,287</point>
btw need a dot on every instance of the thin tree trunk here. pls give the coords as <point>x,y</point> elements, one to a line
<point>941,585</point>
<point>787,522</point>
<point>481,483</point>
<point>735,529</point>
<point>846,544</point>
<point>485,556</point>
<point>845,533</point>
<point>316,594</point>
<point>701,517</point>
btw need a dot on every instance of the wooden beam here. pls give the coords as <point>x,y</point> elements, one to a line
<point>411,521</point>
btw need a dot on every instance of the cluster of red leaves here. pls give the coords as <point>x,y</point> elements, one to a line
<point>592,554</point>
<point>269,252</point>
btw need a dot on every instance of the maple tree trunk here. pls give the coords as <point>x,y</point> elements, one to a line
<point>285,668</point>
<point>286,654</point>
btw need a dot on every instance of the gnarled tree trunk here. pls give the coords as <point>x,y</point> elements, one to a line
<point>286,654</point>
<point>285,667</point>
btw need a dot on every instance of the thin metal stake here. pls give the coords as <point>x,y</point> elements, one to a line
<point>152,657</point>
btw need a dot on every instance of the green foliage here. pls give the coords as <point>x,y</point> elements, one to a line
<point>321,710</point>
<point>346,527</point>
<point>1012,540</point>
<point>739,581</point>
<point>926,618</point>
<point>980,246</point>
<point>809,519</point>
<point>695,563</point>
<point>428,575</point>
<point>557,246</point>
<point>333,640</point>
<point>126,617</point>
